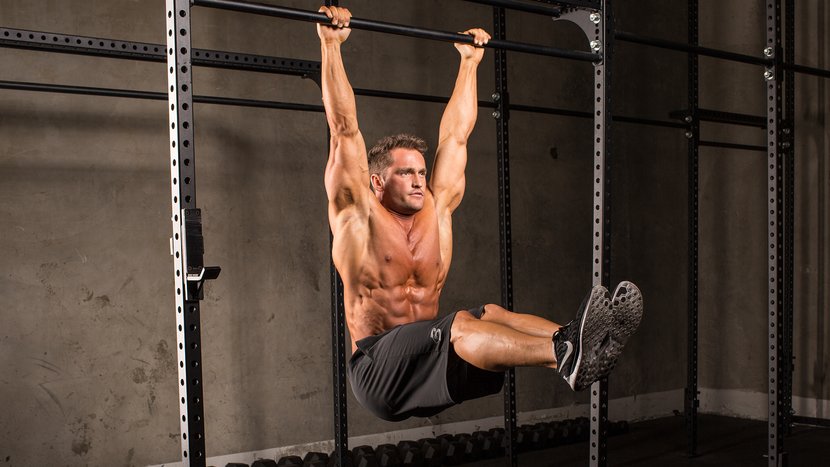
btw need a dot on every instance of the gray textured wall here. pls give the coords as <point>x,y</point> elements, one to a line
<point>87,336</point>
<point>733,229</point>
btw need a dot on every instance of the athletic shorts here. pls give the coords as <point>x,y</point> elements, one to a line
<point>412,370</point>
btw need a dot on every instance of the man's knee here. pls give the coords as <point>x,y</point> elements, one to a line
<point>493,312</point>
<point>461,325</point>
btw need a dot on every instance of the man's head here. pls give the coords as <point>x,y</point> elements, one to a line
<point>397,172</point>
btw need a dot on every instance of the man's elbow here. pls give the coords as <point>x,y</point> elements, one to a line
<point>456,138</point>
<point>345,127</point>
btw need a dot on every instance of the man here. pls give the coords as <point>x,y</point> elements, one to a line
<point>393,246</point>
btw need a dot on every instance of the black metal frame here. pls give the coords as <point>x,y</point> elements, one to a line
<point>691,401</point>
<point>779,126</point>
<point>392,28</point>
<point>187,243</point>
<point>604,35</point>
<point>501,99</point>
<point>776,456</point>
<point>788,145</point>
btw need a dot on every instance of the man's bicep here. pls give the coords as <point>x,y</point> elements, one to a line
<point>347,171</point>
<point>448,181</point>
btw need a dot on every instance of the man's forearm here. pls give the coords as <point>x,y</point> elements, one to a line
<point>462,110</point>
<point>338,96</point>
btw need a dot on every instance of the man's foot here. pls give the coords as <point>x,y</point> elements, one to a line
<point>580,346</point>
<point>627,311</point>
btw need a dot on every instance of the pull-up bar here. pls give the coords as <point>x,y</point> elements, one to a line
<point>393,28</point>
<point>554,8</point>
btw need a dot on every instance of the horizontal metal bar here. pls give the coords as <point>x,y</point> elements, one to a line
<point>144,51</point>
<point>113,48</point>
<point>719,144</point>
<point>409,96</point>
<point>392,28</point>
<point>521,6</point>
<point>648,121</point>
<point>718,116</point>
<point>811,421</point>
<point>591,4</point>
<point>679,46</point>
<point>551,111</point>
<point>580,114</point>
<point>710,52</point>
<point>807,70</point>
<point>516,107</point>
<point>161,96</point>
<point>109,92</point>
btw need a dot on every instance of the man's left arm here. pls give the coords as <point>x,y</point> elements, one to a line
<point>447,182</point>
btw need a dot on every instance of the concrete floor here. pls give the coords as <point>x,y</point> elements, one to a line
<point>722,441</point>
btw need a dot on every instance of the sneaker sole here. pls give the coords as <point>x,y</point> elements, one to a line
<point>624,317</point>
<point>627,312</point>
<point>596,320</point>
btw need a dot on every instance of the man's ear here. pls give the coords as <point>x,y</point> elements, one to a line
<point>376,181</point>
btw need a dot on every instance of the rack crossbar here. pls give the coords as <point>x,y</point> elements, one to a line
<point>719,116</point>
<point>681,47</point>
<point>150,95</point>
<point>521,6</point>
<point>717,53</point>
<point>144,51</point>
<point>393,28</point>
<point>720,144</point>
<point>591,4</point>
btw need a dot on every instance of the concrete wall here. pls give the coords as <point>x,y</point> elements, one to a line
<point>733,229</point>
<point>88,338</point>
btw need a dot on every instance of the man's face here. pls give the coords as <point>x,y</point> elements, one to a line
<point>404,182</point>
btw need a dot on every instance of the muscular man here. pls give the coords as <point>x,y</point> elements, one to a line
<point>393,246</point>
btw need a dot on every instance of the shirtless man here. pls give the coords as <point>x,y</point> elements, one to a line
<point>393,246</point>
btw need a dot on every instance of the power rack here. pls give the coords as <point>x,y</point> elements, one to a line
<point>596,20</point>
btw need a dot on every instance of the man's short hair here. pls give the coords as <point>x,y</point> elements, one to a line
<point>379,156</point>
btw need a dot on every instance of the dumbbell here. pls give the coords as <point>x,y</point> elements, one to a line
<point>410,453</point>
<point>618,428</point>
<point>433,451</point>
<point>489,449</point>
<point>530,438</point>
<point>387,455</point>
<point>315,459</point>
<point>499,440</point>
<point>364,456</point>
<point>273,463</point>
<point>334,460</point>
<point>287,461</point>
<point>471,446</point>
<point>453,449</point>
<point>582,429</point>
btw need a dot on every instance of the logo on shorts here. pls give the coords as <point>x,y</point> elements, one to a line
<point>435,335</point>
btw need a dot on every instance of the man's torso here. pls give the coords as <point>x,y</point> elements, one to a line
<point>390,276</point>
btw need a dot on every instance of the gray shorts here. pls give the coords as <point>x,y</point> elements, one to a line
<point>412,370</point>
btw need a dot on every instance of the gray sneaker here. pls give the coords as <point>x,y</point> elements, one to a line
<point>627,312</point>
<point>580,346</point>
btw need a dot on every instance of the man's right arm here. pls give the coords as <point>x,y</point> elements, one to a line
<point>347,171</point>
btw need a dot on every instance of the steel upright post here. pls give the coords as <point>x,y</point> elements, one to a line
<point>775,220</point>
<point>502,115</point>
<point>603,39</point>
<point>187,245</point>
<point>693,135</point>
<point>338,342</point>
<point>788,146</point>
<point>338,319</point>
